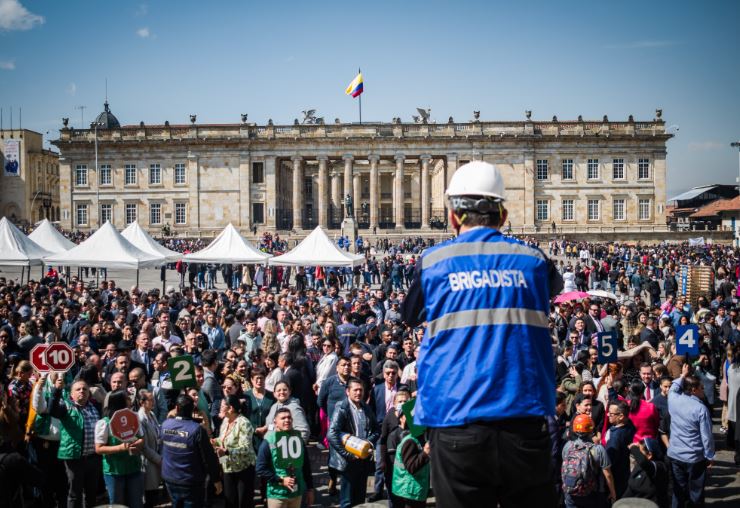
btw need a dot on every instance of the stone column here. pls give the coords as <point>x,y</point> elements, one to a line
<point>336,191</point>
<point>374,191</point>
<point>348,160</point>
<point>66,202</point>
<point>245,194</point>
<point>271,165</point>
<point>297,192</point>
<point>323,190</point>
<point>398,191</point>
<point>426,201</point>
<point>451,167</point>
<point>357,192</point>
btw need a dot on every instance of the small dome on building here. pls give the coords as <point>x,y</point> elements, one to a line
<point>106,119</point>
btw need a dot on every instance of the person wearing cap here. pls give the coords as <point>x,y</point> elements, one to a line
<point>486,298</point>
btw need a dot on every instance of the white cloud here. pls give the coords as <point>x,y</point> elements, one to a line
<point>13,16</point>
<point>7,65</point>
<point>144,32</point>
<point>142,10</point>
<point>641,45</point>
<point>72,89</point>
<point>706,146</point>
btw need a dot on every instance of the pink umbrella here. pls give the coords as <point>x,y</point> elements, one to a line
<point>570,296</point>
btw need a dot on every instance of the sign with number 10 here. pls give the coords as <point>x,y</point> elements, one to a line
<point>608,345</point>
<point>182,371</point>
<point>687,340</point>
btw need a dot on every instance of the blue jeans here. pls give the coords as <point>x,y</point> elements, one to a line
<point>125,489</point>
<point>353,487</point>
<point>187,496</point>
<point>689,480</point>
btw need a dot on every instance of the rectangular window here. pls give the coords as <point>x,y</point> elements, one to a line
<point>308,187</point>
<point>643,169</point>
<point>155,213</point>
<point>81,175</point>
<point>568,209</point>
<point>543,209</point>
<point>643,209</point>
<point>618,169</point>
<point>130,213</point>
<point>593,169</point>
<point>155,174</point>
<point>258,172</point>
<point>542,169</point>
<point>593,209</point>
<point>106,213</point>
<point>129,174</point>
<point>619,209</point>
<point>568,169</point>
<point>179,174</point>
<point>258,213</point>
<point>181,214</point>
<point>106,177</point>
<point>82,215</point>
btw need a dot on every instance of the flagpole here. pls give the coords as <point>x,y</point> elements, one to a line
<point>359,71</point>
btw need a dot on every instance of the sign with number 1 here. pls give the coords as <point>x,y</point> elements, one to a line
<point>687,340</point>
<point>607,342</point>
<point>182,371</point>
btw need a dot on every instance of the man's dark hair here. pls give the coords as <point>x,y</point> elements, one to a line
<point>208,358</point>
<point>691,383</point>
<point>185,406</point>
<point>284,410</point>
<point>622,406</point>
<point>580,397</point>
<point>354,380</point>
<point>560,397</point>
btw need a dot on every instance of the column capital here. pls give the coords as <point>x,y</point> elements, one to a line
<point>296,158</point>
<point>452,156</point>
<point>425,157</point>
<point>373,158</point>
<point>399,157</point>
<point>348,157</point>
<point>322,158</point>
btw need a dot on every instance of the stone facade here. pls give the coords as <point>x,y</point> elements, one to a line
<point>580,175</point>
<point>33,195</point>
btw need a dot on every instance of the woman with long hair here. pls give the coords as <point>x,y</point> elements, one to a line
<point>235,450</point>
<point>152,462</point>
<point>644,415</point>
<point>20,388</point>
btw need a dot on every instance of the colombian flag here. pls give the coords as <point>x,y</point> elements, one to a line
<point>355,87</point>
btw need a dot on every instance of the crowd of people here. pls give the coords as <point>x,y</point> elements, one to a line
<point>288,360</point>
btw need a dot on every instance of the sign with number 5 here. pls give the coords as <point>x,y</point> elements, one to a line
<point>687,340</point>
<point>182,371</point>
<point>608,346</point>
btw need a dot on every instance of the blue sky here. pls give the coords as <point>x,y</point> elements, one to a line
<point>167,59</point>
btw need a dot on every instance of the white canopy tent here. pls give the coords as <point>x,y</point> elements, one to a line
<point>229,247</point>
<point>16,249</point>
<point>106,248</point>
<point>317,250</point>
<point>49,238</point>
<point>141,239</point>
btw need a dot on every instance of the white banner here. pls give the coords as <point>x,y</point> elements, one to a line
<point>696,242</point>
<point>12,157</point>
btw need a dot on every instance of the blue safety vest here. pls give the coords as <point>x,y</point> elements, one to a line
<point>487,352</point>
<point>181,459</point>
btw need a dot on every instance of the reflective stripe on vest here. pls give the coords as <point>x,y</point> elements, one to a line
<point>505,316</point>
<point>478,248</point>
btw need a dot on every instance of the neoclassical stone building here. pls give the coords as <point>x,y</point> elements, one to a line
<point>576,175</point>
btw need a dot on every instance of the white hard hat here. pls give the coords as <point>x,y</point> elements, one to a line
<point>477,178</point>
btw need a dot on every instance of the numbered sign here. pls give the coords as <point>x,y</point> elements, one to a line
<point>59,356</point>
<point>124,425</point>
<point>687,340</point>
<point>182,371</point>
<point>608,343</point>
<point>289,448</point>
<point>38,358</point>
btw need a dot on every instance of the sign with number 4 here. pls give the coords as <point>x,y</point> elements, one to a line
<point>608,346</point>
<point>687,340</point>
<point>182,371</point>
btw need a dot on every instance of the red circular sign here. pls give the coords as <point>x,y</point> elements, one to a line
<point>38,358</point>
<point>59,356</point>
<point>124,425</point>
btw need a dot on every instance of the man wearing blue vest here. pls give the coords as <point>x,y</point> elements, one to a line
<point>187,457</point>
<point>485,367</point>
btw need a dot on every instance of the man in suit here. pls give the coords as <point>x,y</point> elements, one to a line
<point>143,354</point>
<point>71,324</point>
<point>383,396</point>
<point>652,388</point>
<point>650,333</point>
<point>211,387</point>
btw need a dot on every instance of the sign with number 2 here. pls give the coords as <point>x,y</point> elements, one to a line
<point>182,371</point>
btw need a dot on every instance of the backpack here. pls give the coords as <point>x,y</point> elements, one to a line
<point>578,471</point>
